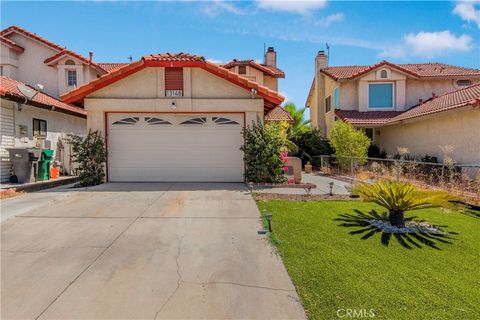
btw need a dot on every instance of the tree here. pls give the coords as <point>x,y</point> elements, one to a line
<point>348,142</point>
<point>299,124</point>
<point>399,197</point>
<point>90,155</point>
<point>262,151</point>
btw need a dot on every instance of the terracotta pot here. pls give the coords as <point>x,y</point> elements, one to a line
<point>308,168</point>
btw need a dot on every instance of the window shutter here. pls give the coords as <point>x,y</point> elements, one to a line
<point>173,80</point>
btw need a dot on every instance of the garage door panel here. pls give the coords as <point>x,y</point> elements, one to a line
<point>208,150</point>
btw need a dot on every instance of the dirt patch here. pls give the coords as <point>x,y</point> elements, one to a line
<point>7,194</point>
<point>300,197</point>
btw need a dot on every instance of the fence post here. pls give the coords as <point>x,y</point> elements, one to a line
<point>397,165</point>
<point>351,167</point>
<point>321,162</point>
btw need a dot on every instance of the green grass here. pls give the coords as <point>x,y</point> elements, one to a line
<point>333,269</point>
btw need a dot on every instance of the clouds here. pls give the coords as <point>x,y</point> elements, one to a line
<point>468,11</point>
<point>429,45</point>
<point>328,20</point>
<point>300,7</point>
<point>217,7</point>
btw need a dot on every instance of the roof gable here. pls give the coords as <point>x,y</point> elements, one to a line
<point>418,70</point>
<point>28,34</point>
<point>268,70</point>
<point>172,60</point>
<point>65,52</point>
<point>11,44</point>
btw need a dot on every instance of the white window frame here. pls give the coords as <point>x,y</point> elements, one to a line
<point>68,78</point>
<point>393,95</point>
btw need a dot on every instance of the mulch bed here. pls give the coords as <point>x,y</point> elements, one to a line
<point>299,197</point>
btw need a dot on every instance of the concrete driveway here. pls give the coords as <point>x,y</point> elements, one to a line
<point>143,251</point>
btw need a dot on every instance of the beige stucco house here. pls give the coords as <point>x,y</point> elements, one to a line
<point>173,117</point>
<point>33,74</point>
<point>424,108</point>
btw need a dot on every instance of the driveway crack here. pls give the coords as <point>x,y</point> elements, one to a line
<point>238,284</point>
<point>179,274</point>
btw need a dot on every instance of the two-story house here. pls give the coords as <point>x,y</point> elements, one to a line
<point>34,72</point>
<point>425,108</point>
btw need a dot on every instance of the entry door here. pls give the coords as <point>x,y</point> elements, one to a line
<point>175,147</point>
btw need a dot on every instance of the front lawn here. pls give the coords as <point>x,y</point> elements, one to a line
<point>334,271</point>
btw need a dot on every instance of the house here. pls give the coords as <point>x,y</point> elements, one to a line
<point>426,108</point>
<point>174,117</point>
<point>34,72</point>
<point>266,73</point>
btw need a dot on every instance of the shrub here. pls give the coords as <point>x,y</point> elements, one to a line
<point>90,155</point>
<point>262,151</point>
<point>348,142</point>
<point>311,143</point>
<point>375,152</point>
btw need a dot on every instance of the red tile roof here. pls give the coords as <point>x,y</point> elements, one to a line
<point>268,70</point>
<point>373,118</point>
<point>29,34</point>
<point>469,96</point>
<point>279,114</point>
<point>174,57</point>
<point>66,52</point>
<point>11,44</point>
<point>418,70</point>
<point>173,60</point>
<point>111,66</point>
<point>9,89</point>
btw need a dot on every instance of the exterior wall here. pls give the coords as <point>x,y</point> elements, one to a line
<point>143,91</point>
<point>348,95</point>
<point>9,61</point>
<point>312,104</point>
<point>271,83</point>
<point>427,135</point>
<point>423,89</point>
<point>31,68</point>
<point>7,135</point>
<point>59,125</point>
<point>330,85</point>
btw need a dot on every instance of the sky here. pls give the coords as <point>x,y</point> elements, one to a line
<point>357,32</point>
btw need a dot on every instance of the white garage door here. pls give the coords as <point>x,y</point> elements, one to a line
<point>175,147</point>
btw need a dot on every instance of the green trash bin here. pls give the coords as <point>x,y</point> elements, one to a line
<point>44,165</point>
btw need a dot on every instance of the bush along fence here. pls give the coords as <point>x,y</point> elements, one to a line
<point>460,180</point>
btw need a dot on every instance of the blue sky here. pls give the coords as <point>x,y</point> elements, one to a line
<point>357,32</point>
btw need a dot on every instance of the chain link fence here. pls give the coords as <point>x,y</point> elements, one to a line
<point>460,180</point>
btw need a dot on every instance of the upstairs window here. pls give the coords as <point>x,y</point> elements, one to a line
<point>69,63</point>
<point>336,103</point>
<point>72,78</point>
<point>383,74</point>
<point>328,104</point>
<point>242,69</point>
<point>173,82</point>
<point>464,83</point>
<point>380,95</point>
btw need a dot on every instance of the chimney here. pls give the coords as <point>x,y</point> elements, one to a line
<point>434,95</point>
<point>420,101</point>
<point>321,60</point>
<point>271,57</point>
<point>91,56</point>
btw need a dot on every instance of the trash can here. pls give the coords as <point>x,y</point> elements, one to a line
<point>44,165</point>
<point>25,164</point>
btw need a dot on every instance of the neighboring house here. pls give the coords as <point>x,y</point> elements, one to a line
<point>426,108</point>
<point>30,64</point>
<point>266,74</point>
<point>173,117</point>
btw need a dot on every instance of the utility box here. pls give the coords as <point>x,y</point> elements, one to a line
<point>25,164</point>
<point>44,164</point>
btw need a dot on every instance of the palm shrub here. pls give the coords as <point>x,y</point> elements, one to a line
<point>90,155</point>
<point>348,142</point>
<point>263,147</point>
<point>399,197</point>
<point>299,125</point>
